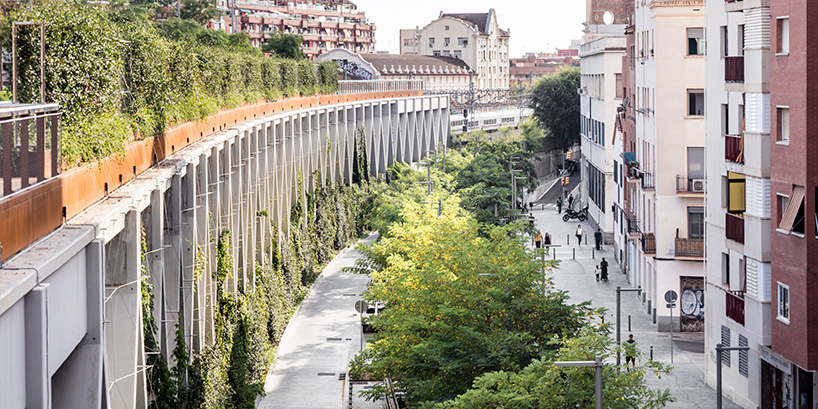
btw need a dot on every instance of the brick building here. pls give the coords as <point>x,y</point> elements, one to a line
<point>524,72</point>
<point>325,24</point>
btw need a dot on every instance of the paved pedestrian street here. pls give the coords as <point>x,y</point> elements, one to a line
<point>576,276</point>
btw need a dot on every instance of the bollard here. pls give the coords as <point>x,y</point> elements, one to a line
<point>629,323</point>
<point>567,239</point>
<point>555,254</point>
<point>651,352</point>
<point>593,253</point>
<point>586,239</point>
<point>574,250</point>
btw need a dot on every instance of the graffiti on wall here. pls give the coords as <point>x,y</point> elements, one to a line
<point>691,304</point>
<point>351,68</point>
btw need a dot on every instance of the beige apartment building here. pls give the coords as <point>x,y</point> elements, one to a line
<point>667,162</point>
<point>476,38</point>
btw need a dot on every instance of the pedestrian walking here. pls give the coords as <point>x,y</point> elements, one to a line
<point>579,235</point>
<point>603,266</point>
<point>538,239</point>
<point>546,241</point>
<point>598,239</point>
<point>596,272</point>
<point>571,201</point>
<point>630,352</point>
<point>559,205</point>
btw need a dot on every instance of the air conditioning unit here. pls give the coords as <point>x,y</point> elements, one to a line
<point>698,186</point>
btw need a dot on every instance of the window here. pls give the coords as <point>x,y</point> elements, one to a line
<point>782,38</point>
<point>695,162</point>
<point>725,42</point>
<point>695,102</point>
<point>431,41</point>
<point>695,221</point>
<point>784,303</point>
<point>782,133</point>
<point>462,41</point>
<point>458,54</point>
<point>447,53</point>
<point>695,41</point>
<point>792,218</point>
<point>783,201</point>
<point>725,269</point>
<point>619,89</point>
<point>446,41</point>
<point>446,28</point>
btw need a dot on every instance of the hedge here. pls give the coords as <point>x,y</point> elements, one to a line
<point>117,78</point>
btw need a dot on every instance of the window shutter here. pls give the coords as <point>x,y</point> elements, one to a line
<point>792,209</point>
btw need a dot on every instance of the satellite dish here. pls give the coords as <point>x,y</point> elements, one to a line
<point>608,18</point>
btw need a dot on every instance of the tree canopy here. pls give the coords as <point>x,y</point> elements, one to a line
<point>285,46</point>
<point>555,103</point>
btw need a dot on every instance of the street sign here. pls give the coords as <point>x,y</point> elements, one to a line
<point>671,305</point>
<point>361,306</point>
<point>671,296</point>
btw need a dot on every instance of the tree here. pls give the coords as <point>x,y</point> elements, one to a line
<point>542,385</point>
<point>285,46</point>
<point>459,303</point>
<point>200,11</point>
<point>555,103</point>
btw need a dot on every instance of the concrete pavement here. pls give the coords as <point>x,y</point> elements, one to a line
<point>321,338</point>
<point>576,276</point>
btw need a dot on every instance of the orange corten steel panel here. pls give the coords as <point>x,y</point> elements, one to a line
<point>33,213</point>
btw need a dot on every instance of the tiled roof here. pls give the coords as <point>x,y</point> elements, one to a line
<point>481,20</point>
<point>421,62</point>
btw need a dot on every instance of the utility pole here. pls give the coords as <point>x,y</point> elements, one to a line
<point>597,364</point>
<point>719,350</point>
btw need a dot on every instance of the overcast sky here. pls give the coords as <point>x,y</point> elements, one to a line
<point>536,25</point>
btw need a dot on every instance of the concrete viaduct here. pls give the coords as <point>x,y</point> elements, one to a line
<point>70,304</point>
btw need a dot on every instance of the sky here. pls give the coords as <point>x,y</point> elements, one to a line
<point>536,25</point>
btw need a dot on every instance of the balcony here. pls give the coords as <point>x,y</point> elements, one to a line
<point>734,69</point>
<point>648,181</point>
<point>734,227</point>
<point>735,306</point>
<point>633,228</point>
<point>690,248</point>
<point>734,148</point>
<point>648,243</point>
<point>690,184</point>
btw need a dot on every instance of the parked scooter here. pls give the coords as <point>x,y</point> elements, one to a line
<point>573,214</point>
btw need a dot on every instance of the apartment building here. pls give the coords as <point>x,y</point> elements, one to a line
<point>738,292</point>
<point>325,25</point>
<point>524,72</point>
<point>475,38</point>
<point>601,92</point>
<point>667,165</point>
<point>788,377</point>
<point>626,231</point>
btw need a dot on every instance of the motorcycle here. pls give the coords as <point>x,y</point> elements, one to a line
<point>574,214</point>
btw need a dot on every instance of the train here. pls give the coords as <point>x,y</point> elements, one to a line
<point>488,121</point>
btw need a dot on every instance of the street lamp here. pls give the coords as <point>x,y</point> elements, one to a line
<point>597,364</point>
<point>719,350</point>
<point>619,290</point>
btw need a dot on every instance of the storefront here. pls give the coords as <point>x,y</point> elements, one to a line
<point>784,385</point>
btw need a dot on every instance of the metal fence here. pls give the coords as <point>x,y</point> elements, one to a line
<point>356,87</point>
<point>29,145</point>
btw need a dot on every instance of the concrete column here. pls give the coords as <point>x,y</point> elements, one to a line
<point>173,266</point>
<point>188,230</point>
<point>154,226</point>
<point>38,384</point>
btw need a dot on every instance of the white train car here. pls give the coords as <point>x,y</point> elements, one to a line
<point>489,121</point>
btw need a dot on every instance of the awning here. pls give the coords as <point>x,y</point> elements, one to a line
<point>629,156</point>
<point>796,200</point>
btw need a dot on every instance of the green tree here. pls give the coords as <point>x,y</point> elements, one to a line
<point>555,103</point>
<point>542,385</point>
<point>459,303</point>
<point>200,11</point>
<point>285,46</point>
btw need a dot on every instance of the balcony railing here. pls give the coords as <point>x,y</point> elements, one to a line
<point>648,181</point>
<point>690,184</point>
<point>633,227</point>
<point>734,228</point>
<point>734,69</point>
<point>29,145</point>
<point>634,173</point>
<point>735,306</point>
<point>354,87</point>
<point>689,247</point>
<point>734,148</point>
<point>649,243</point>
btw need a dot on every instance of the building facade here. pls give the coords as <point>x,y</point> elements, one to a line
<point>738,207</point>
<point>600,94</point>
<point>667,163</point>
<point>473,37</point>
<point>325,25</point>
<point>524,72</point>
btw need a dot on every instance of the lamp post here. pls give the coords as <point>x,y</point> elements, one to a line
<point>619,290</point>
<point>719,350</point>
<point>597,364</point>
